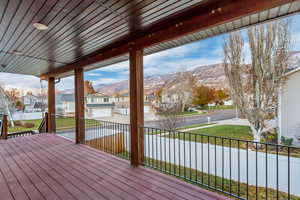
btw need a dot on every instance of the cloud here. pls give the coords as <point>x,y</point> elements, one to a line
<point>93,74</point>
<point>115,67</point>
<point>21,82</point>
<point>107,81</point>
<point>65,83</point>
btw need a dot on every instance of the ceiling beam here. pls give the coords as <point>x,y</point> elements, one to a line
<point>206,15</point>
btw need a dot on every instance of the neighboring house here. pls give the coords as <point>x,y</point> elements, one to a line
<point>33,103</point>
<point>99,105</point>
<point>67,102</point>
<point>289,107</point>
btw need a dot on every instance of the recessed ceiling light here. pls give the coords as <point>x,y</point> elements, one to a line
<point>40,26</point>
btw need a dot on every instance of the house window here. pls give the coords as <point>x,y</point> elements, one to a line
<point>105,99</point>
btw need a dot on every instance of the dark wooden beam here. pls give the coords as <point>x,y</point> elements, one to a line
<point>136,106</point>
<point>4,131</point>
<point>79,105</point>
<point>206,15</point>
<point>51,105</point>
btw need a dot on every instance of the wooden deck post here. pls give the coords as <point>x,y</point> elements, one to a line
<point>51,105</point>
<point>136,106</point>
<point>4,130</point>
<point>79,106</point>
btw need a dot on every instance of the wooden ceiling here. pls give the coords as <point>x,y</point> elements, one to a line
<point>95,33</point>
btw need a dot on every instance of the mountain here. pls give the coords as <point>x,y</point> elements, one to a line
<point>209,75</point>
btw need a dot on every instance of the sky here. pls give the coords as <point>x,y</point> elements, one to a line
<point>186,57</point>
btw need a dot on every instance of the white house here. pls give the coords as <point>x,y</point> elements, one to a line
<point>68,103</point>
<point>99,105</point>
<point>33,103</point>
<point>289,107</point>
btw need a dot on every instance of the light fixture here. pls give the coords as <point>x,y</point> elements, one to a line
<point>40,26</point>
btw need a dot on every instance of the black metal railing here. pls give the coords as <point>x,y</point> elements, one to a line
<point>21,134</point>
<point>65,125</point>
<point>239,168</point>
<point>109,137</point>
<point>43,127</point>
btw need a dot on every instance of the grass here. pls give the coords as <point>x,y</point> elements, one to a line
<point>62,123</point>
<point>228,131</point>
<point>36,123</point>
<point>228,135</point>
<point>66,123</point>
<point>223,107</point>
<point>195,126</point>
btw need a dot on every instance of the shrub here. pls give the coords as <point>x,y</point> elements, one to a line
<point>270,137</point>
<point>286,141</point>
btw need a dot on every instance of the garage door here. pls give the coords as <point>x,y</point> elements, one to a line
<point>104,112</point>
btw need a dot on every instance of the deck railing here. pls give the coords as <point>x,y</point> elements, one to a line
<point>239,168</point>
<point>110,137</point>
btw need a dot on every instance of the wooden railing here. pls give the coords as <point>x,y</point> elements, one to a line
<point>4,127</point>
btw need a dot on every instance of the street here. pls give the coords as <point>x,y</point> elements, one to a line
<point>215,115</point>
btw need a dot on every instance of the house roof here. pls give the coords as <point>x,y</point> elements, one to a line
<point>98,94</point>
<point>67,97</point>
<point>93,34</point>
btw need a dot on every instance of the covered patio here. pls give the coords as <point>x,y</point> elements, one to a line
<point>54,39</point>
<point>51,167</point>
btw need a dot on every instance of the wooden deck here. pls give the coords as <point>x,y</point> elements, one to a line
<point>51,167</point>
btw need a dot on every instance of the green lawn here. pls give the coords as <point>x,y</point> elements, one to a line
<point>226,131</point>
<point>223,107</point>
<point>194,126</point>
<point>230,131</point>
<point>36,123</point>
<point>62,123</point>
<point>65,123</point>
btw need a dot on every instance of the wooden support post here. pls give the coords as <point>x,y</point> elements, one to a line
<point>79,106</point>
<point>4,127</point>
<point>51,105</point>
<point>136,106</point>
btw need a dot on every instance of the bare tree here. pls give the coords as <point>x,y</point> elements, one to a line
<point>255,86</point>
<point>179,89</point>
<point>168,116</point>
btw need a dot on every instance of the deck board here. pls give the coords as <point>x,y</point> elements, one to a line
<point>51,167</point>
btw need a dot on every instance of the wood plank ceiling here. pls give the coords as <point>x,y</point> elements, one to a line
<point>77,28</point>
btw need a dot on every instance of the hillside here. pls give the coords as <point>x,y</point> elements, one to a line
<point>209,75</point>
